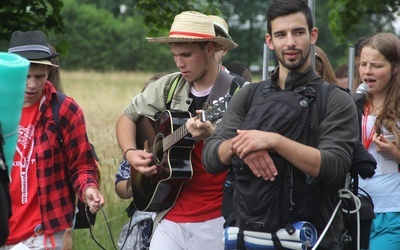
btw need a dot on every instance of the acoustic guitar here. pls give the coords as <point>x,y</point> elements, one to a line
<point>167,137</point>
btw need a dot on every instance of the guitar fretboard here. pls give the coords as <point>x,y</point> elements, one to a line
<point>212,113</point>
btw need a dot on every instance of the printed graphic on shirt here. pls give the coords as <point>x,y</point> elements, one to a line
<point>24,150</point>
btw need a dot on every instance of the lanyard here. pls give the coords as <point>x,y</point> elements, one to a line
<point>367,139</point>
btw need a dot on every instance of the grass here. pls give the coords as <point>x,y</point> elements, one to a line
<point>103,96</point>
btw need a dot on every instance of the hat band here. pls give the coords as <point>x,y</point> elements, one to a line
<point>30,48</point>
<point>192,34</point>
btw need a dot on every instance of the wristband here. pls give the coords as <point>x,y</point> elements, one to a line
<point>129,149</point>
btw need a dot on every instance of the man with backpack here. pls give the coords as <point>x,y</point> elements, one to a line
<point>194,219</point>
<point>43,204</point>
<point>288,166</point>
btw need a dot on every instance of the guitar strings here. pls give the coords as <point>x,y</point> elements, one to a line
<point>159,145</point>
<point>183,129</point>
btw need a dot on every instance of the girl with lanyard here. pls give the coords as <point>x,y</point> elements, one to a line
<point>379,69</point>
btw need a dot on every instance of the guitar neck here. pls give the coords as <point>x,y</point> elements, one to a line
<point>212,113</point>
<point>177,135</point>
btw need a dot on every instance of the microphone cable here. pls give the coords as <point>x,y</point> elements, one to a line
<point>130,230</point>
<point>91,227</point>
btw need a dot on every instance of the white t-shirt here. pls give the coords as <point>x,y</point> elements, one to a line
<point>384,186</point>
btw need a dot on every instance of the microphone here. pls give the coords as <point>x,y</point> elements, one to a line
<point>359,100</point>
<point>362,89</point>
<point>359,96</point>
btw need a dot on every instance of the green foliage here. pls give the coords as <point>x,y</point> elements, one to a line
<point>347,15</point>
<point>23,15</point>
<point>93,34</point>
<point>159,14</point>
<point>246,21</point>
<point>103,42</point>
<point>336,52</point>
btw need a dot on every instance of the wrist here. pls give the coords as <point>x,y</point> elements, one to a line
<point>127,150</point>
<point>84,195</point>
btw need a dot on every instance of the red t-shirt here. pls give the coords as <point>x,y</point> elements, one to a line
<point>200,198</point>
<point>23,187</point>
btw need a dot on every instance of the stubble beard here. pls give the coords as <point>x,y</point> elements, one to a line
<point>296,64</point>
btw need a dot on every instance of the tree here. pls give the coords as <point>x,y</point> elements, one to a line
<point>23,15</point>
<point>158,14</point>
<point>345,15</point>
<point>246,20</point>
<point>348,20</point>
<point>103,42</point>
<point>115,6</point>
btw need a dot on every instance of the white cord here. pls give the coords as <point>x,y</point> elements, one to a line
<point>343,194</point>
<point>347,194</point>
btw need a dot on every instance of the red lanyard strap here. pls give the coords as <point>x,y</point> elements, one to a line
<point>367,139</point>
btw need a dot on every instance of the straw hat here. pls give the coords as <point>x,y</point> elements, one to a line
<point>192,26</point>
<point>33,46</point>
<point>221,25</point>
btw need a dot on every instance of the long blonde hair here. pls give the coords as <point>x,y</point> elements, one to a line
<point>388,45</point>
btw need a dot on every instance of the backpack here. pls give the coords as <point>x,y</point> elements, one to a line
<point>83,218</point>
<point>293,195</point>
<point>301,187</point>
<point>5,200</point>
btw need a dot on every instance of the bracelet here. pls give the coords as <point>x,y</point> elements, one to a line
<point>129,149</point>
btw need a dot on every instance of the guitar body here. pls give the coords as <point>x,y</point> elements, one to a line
<point>159,192</point>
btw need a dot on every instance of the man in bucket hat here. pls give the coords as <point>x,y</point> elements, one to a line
<point>42,206</point>
<point>194,221</point>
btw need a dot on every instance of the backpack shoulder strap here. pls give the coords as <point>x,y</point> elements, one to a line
<point>55,109</point>
<point>323,90</point>
<point>221,86</point>
<point>172,90</point>
<point>258,87</point>
<point>236,84</point>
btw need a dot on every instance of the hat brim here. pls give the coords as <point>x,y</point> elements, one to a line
<point>221,42</point>
<point>220,29</point>
<point>44,62</point>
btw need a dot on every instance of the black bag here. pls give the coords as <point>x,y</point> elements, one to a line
<point>366,214</point>
<point>5,200</point>
<point>363,163</point>
<point>83,218</point>
<point>293,195</point>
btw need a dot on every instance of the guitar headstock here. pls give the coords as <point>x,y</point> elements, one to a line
<point>216,109</point>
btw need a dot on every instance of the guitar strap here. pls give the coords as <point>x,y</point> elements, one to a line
<point>221,86</point>
<point>157,219</point>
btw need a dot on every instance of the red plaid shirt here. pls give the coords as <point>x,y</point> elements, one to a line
<point>56,168</point>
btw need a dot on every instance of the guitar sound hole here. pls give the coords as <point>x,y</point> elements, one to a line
<point>158,150</point>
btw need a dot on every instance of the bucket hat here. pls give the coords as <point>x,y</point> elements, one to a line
<point>33,46</point>
<point>220,25</point>
<point>192,26</point>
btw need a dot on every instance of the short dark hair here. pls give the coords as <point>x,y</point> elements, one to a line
<point>286,7</point>
<point>358,45</point>
<point>342,71</point>
<point>240,69</point>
